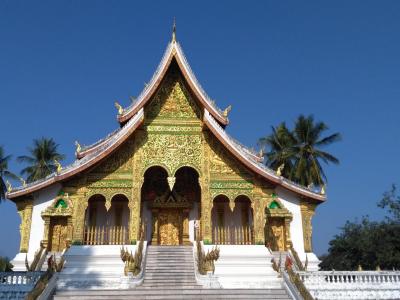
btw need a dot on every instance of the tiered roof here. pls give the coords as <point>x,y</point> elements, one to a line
<point>132,117</point>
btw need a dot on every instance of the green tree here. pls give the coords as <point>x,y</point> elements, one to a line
<point>366,243</point>
<point>41,161</point>
<point>391,201</point>
<point>280,143</point>
<point>5,265</point>
<point>300,150</point>
<point>5,173</point>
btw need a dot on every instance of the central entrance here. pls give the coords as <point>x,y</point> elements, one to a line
<point>170,227</point>
<point>170,205</point>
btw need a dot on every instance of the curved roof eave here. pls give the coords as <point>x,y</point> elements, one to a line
<point>256,166</point>
<point>82,164</point>
<point>173,50</point>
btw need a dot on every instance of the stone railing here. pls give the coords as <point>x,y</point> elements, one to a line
<point>352,284</point>
<point>19,278</point>
<point>15,285</point>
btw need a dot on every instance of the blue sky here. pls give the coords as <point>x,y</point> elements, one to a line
<point>64,63</point>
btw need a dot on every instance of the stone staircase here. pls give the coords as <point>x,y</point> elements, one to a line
<point>170,274</point>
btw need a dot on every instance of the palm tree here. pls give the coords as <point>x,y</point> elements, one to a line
<point>307,167</point>
<point>4,173</point>
<point>300,150</point>
<point>280,142</point>
<point>41,161</point>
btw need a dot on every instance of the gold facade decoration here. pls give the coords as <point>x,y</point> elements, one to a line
<point>58,223</point>
<point>172,137</point>
<point>170,227</point>
<point>25,208</point>
<point>278,228</point>
<point>120,161</point>
<point>206,199</point>
<point>172,100</point>
<point>59,234</point>
<point>307,212</point>
<point>172,151</point>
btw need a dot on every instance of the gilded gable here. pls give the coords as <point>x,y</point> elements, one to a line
<point>172,100</point>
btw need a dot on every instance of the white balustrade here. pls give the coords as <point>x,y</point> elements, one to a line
<point>352,284</point>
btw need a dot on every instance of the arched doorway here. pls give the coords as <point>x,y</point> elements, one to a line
<point>118,220</point>
<point>243,220</point>
<point>232,226</point>
<point>95,221</point>
<point>104,227</point>
<point>170,204</point>
<point>221,219</point>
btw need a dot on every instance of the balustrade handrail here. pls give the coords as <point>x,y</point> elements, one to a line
<point>106,235</point>
<point>233,235</point>
<point>20,278</point>
<point>349,277</point>
<point>334,272</point>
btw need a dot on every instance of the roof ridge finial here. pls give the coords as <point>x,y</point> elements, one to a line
<point>174,31</point>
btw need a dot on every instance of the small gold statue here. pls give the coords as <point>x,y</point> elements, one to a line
<point>280,169</point>
<point>9,186</point>
<point>323,190</point>
<point>227,111</point>
<point>22,181</point>
<point>78,147</point>
<point>119,108</point>
<point>58,165</point>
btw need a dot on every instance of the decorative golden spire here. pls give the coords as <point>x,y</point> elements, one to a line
<point>174,32</point>
<point>9,186</point>
<point>119,108</point>
<point>227,110</point>
<point>22,181</point>
<point>58,165</point>
<point>280,169</point>
<point>323,190</point>
<point>78,147</point>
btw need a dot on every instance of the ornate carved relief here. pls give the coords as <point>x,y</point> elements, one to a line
<point>172,100</point>
<point>206,199</point>
<point>307,212</point>
<point>222,164</point>
<point>172,151</point>
<point>25,208</point>
<point>120,161</point>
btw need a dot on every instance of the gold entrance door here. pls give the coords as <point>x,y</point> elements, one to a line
<point>58,234</point>
<point>278,231</point>
<point>170,227</point>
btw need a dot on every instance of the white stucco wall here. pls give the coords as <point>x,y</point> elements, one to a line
<point>193,216</point>
<point>292,203</point>
<point>41,200</point>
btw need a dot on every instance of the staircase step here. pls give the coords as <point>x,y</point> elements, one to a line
<point>169,274</point>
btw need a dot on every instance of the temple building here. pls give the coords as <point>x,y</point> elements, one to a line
<point>171,168</point>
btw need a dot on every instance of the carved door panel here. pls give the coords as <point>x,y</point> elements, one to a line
<point>278,231</point>
<point>58,234</point>
<point>170,225</point>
